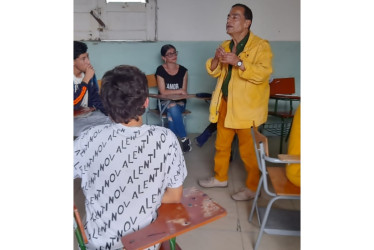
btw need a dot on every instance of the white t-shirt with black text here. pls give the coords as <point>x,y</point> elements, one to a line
<point>125,171</point>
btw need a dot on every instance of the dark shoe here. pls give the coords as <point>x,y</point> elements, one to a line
<point>186,144</point>
<point>201,139</point>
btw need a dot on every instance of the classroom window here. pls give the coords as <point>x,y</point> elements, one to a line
<point>100,20</point>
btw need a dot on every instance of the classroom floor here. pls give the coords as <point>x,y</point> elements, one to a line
<point>234,231</point>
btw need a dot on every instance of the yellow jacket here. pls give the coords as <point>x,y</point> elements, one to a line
<point>248,90</point>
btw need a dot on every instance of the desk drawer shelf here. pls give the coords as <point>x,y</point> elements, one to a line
<point>276,128</point>
<point>281,221</point>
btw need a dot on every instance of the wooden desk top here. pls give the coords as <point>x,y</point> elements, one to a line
<point>290,158</point>
<point>195,210</point>
<point>285,97</point>
<point>178,97</point>
<point>83,112</point>
<point>175,97</point>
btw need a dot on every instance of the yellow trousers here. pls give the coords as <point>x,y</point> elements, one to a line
<point>224,140</point>
<point>293,170</point>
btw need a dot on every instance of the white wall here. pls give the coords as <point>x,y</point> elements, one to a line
<point>205,20</point>
<point>183,20</point>
<point>196,28</point>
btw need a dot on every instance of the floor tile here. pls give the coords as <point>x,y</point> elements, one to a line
<point>211,239</point>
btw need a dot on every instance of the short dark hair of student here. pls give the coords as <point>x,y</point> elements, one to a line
<point>247,11</point>
<point>123,92</point>
<point>79,48</point>
<point>165,48</point>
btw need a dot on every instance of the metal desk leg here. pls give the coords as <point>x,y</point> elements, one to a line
<point>172,242</point>
<point>281,139</point>
<point>79,236</point>
<point>162,110</point>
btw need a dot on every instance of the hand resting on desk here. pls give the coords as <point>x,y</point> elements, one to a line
<point>172,195</point>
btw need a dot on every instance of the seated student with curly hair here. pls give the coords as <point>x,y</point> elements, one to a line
<point>127,168</point>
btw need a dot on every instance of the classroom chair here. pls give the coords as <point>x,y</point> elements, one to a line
<point>99,84</point>
<point>79,230</point>
<point>274,220</point>
<point>196,209</point>
<point>82,238</point>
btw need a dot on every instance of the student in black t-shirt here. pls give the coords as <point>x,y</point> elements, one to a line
<point>172,79</point>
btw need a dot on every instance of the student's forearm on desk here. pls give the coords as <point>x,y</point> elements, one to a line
<point>173,92</point>
<point>163,91</point>
<point>172,195</point>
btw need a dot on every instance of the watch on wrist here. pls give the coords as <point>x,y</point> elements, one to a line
<point>239,63</point>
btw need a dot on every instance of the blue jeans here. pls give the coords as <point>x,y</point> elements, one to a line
<point>175,118</point>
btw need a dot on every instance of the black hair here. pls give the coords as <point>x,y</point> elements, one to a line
<point>165,48</point>
<point>123,93</point>
<point>247,11</point>
<point>79,48</point>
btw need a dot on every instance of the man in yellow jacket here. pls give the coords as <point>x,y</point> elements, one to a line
<point>243,67</point>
